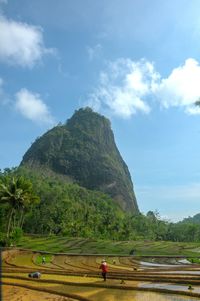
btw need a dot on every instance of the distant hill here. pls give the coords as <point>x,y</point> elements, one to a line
<point>84,151</point>
<point>194,220</point>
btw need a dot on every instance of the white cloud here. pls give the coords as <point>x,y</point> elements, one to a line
<point>193,110</point>
<point>181,88</point>
<point>94,52</point>
<point>21,44</point>
<point>31,106</point>
<point>123,87</point>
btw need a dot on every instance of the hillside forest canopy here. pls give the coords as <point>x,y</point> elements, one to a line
<point>46,205</point>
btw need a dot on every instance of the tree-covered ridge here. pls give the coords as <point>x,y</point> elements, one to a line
<point>194,219</point>
<point>84,149</point>
<point>67,209</point>
<point>70,210</point>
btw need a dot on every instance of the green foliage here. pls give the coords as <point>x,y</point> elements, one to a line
<point>70,210</point>
<point>108,246</point>
<point>184,231</point>
<point>16,235</point>
<point>39,259</point>
<point>84,150</point>
<point>194,260</point>
<point>194,220</point>
<point>3,240</point>
<point>16,197</point>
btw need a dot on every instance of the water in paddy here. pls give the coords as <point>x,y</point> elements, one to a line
<point>172,287</point>
<point>116,295</point>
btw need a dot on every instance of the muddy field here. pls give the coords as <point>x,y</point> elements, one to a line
<point>77,277</point>
<point>14,293</point>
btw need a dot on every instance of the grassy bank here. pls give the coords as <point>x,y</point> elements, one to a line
<point>91,246</point>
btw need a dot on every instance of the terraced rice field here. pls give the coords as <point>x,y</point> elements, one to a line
<point>90,246</point>
<point>77,277</point>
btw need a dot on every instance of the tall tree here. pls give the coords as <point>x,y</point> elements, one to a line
<point>17,192</point>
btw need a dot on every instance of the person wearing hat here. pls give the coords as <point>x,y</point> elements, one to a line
<point>104,269</point>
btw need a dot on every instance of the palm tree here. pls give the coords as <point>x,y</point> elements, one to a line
<point>18,193</point>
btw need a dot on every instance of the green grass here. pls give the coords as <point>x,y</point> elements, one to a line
<point>194,260</point>
<point>90,246</point>
<point>48,259</point>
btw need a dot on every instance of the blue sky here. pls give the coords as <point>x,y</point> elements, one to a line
<point>135,61</point>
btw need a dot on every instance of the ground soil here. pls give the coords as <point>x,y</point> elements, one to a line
<point>13,293</point>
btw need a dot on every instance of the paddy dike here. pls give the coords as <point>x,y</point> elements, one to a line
<point>78,276</point>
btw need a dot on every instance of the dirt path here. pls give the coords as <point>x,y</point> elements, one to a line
<point>21,294</point>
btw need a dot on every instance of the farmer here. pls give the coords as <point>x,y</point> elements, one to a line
<point>104,269</point>
<point>43,260</point>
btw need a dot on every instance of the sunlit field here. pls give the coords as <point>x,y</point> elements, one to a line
<point>91,246</point>
<point>78,277</point>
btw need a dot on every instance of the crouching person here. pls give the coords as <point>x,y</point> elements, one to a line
<point>34,275</point>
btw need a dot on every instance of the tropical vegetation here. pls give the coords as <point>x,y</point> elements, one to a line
<point>70,210</point>
<point>73,182</point>
<point>84,151</point>
<point>16,199</point>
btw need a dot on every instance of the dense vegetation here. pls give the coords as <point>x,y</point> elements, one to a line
<point>84,150</point>
<point>194,220</point>
<point>74,182</point>
<point>17,198</point>
<point>70,210</point>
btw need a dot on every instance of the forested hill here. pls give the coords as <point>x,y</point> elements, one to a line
<point>193,220</point>
<point>84,150</point>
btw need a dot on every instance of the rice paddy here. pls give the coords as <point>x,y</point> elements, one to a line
<point>67,276</point>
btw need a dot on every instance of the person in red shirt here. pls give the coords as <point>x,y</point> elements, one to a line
<point>104,269</point>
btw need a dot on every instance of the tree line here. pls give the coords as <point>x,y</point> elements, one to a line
<point>37,204</point>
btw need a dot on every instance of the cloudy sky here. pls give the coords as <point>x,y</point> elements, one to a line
<point>135,61</point>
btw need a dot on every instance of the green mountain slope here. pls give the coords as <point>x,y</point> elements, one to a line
<point>193,220</point>
<point>68,209</point>
<point>84,150</point>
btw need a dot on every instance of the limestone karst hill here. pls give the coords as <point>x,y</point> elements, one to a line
<point>84,150</point>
